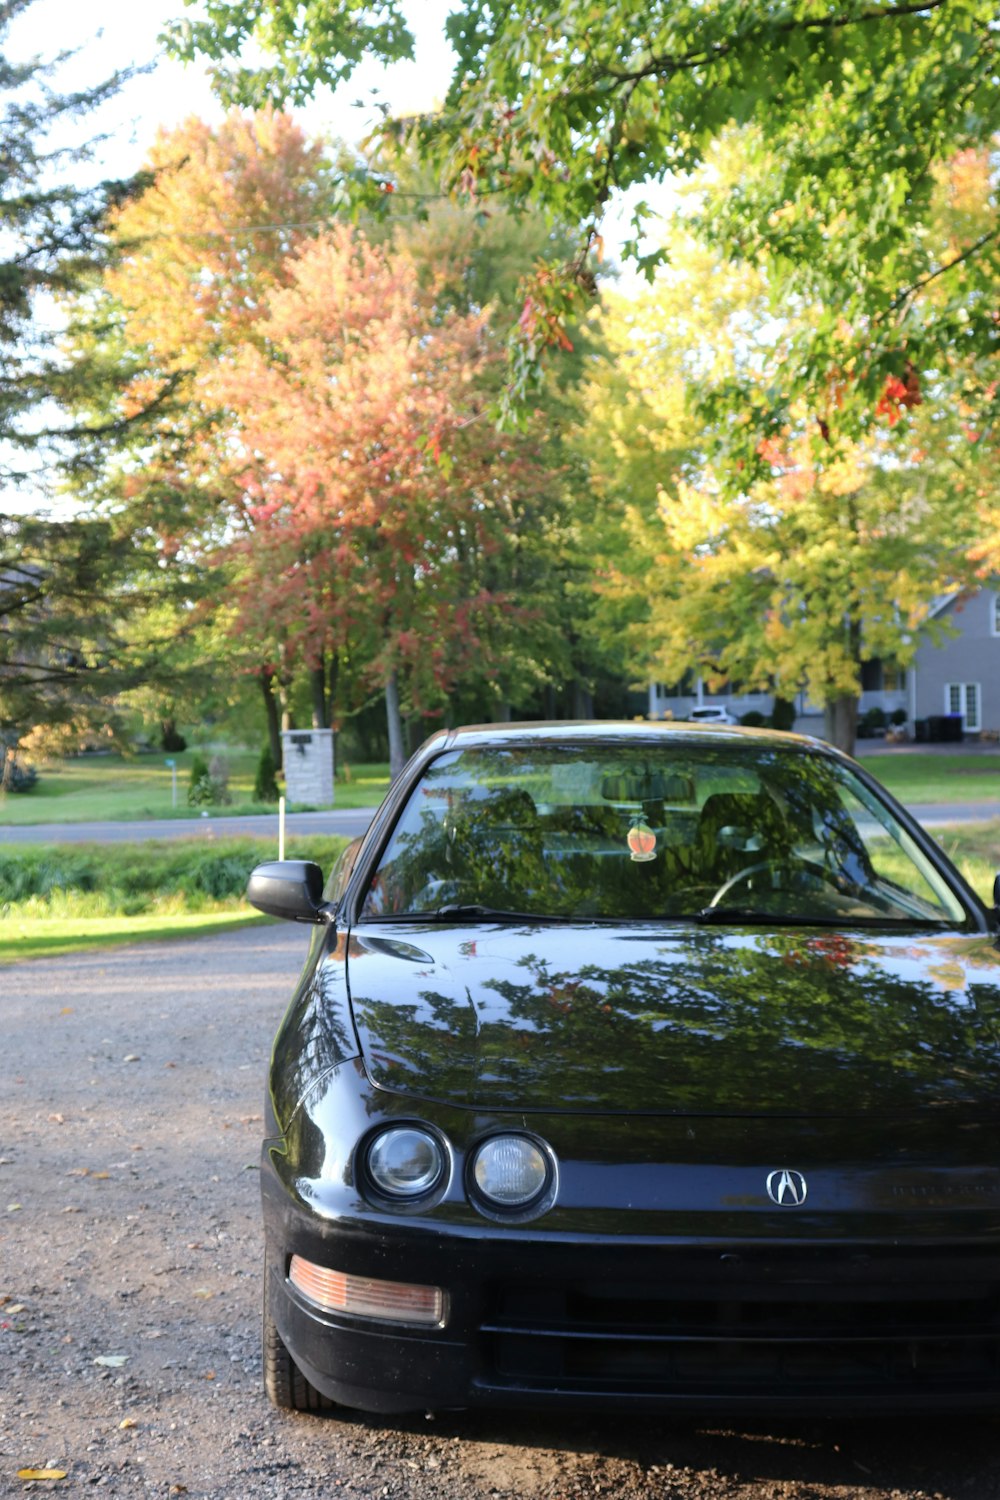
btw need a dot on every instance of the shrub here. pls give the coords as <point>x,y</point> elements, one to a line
<point>783,714</point>
<point>208,785</point>
<point>898,716</point>
<point>265,788</point>
<point>198,781</point>
<point>753,719</point>
<point>18,778</point>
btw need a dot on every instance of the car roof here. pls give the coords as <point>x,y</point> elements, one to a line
<point>596,731</point>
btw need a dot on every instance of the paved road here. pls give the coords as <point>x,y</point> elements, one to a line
<point>349,821</point>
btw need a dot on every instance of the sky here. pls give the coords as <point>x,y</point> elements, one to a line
<point>171,91</point>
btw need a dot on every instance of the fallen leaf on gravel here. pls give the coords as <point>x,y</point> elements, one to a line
<point>153,1333</point>
<point>101,1176</point>
<point>12,1208</point>
<point>111,1361</point>
<point>170,1065</point>
<point>71,1209</point>
<point>127,1422</point>
<point>78,1172</point>
<point>202,1291</point>
<point>208,1375</point>
<point>6,1161</point>
<point>41,1473</point>
<point>131,1057</point>
<point>17,1307</point>
<point>67,1010</point>
<point>177,1489</point>
<point>58,1119</point>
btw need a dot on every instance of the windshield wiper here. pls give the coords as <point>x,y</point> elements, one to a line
<point>475,909</point>
<point>470,912</point>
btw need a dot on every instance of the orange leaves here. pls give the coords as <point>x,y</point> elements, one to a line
<point>899,395</point>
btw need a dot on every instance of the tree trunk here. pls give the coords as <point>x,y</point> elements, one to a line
<point>583,701</point>
<point>841,716</point>
<point>333,682</point>
<point>317,683</point>
<point>271,712</point>
<point>394,724</point>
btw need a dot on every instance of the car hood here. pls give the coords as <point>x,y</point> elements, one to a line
<point>678,1020</point>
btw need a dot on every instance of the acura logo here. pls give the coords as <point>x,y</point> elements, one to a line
<point>787,1189</point>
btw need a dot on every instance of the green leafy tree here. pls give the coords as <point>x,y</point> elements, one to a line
<point>847,111</point>
<point>827,554</point>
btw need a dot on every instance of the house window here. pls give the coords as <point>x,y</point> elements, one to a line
<point>963,698</point>
<point>893,678</point>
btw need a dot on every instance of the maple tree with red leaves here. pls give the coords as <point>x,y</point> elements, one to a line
<point>353,418</point>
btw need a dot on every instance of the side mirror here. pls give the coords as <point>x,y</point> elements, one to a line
<point>289,888</point>
<point>996,897</point>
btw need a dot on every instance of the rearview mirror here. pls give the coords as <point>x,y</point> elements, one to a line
<point>291,889</point>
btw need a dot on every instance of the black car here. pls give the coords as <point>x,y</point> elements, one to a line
<point>635,1065</point>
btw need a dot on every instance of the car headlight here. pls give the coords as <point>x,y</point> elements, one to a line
<point>405,1161</point>
<point>511,1171</point>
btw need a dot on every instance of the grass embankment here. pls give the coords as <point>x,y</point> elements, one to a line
<point>914,777</point>
<point>62,898</point>
<point>90,788</point>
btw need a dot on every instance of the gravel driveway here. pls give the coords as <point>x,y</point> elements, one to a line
<point>130,1104</point>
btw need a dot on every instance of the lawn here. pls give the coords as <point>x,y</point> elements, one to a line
<point>47,937</point>
<point>58,898</point>
<point>91,788</point>
<point>915,777</point>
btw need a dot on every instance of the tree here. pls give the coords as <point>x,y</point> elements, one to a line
<point>372,487</point>
<point>827,555</point>
<point>76,601</point>
<point>195,253</point>
<point>847,113</point>
<point>71,591</point>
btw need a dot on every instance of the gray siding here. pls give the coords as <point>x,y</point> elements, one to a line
<point>971,656</point>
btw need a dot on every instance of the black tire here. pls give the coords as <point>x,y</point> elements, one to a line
<point>284,1382</point>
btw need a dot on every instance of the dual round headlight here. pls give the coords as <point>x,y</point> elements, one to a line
<point>406,1162</point>
<point>508,1174</point>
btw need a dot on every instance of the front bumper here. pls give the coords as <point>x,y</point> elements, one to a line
<point>582,1321</point>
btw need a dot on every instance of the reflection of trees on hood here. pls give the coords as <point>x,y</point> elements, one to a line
<point>709,1023</point>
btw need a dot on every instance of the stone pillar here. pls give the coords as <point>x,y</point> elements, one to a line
<point>308,755</point>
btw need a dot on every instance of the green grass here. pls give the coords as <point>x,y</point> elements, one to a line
<point>913,777</point>
<point>57,898</point>
<point>92,788</point>
<point>41,937</point>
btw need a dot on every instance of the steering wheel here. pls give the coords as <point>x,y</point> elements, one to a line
<point>789,863</point>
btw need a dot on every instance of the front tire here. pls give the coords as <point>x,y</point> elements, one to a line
<point>284,1383</point>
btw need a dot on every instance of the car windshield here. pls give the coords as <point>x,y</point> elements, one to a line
<point>678,831</point>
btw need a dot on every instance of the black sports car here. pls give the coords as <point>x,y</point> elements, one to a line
<point>635,1064</point>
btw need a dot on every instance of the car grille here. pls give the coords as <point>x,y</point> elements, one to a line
<point>852,1325</point>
